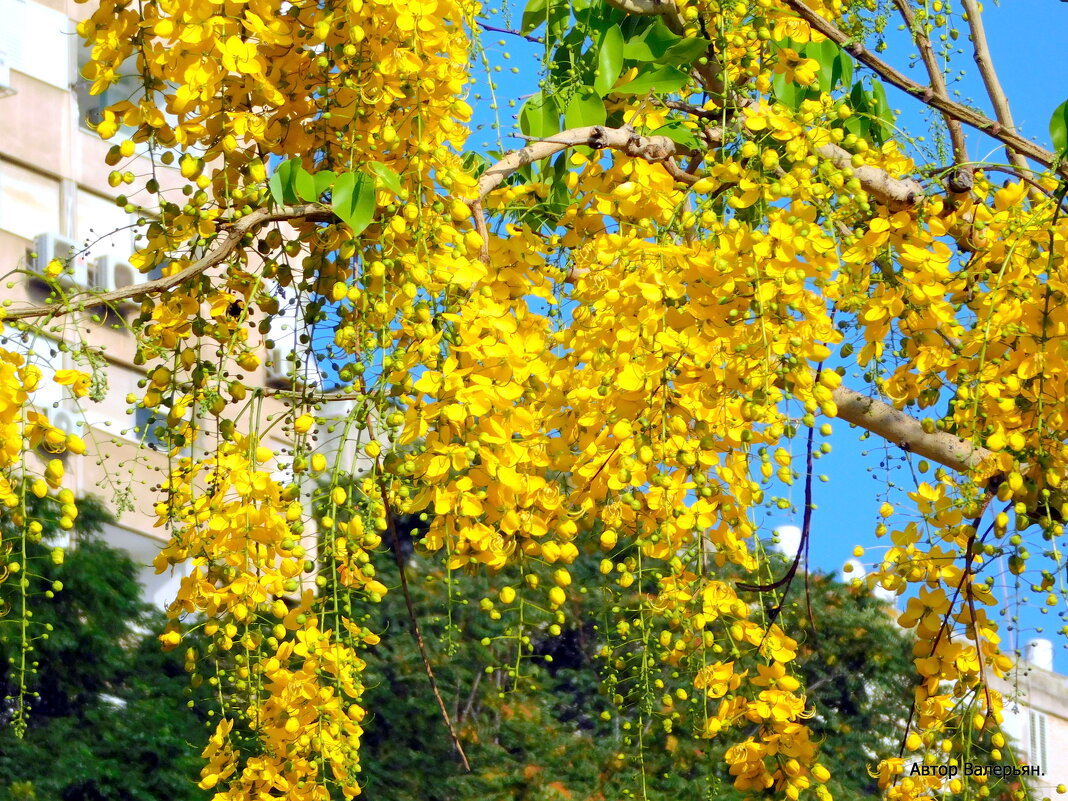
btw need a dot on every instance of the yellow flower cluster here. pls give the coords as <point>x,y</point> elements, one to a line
<point>297,683</point>
<point>632,358</point>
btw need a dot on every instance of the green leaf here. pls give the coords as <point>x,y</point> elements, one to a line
<point>478,163</point>
<point>650,44</point>
<point>843,68</point>
<point>354,200</point>
<point>824,54</point>
<point>559,17</point>
<point>788,93</point>
<point>677,132</point>
<point>859,100</point>
<point>609,60</point>
<point>600,18</point>
<point>1058,129</point>
<point>663,81</point>
<point>540,116</point>
<point>387,178</point>
<point>585,108</point>
<point>324,180</point>
<point>533,15</point>
<point>282,183</point>
<point>659,44</point>
<point>304,185</point>
<point>858,126</point>
<point>881,109</point>
<point>686,52</point>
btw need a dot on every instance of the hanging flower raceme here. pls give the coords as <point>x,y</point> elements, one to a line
<point>295,685</point>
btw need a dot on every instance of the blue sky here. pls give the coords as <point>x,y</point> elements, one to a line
<point>1028,41</point>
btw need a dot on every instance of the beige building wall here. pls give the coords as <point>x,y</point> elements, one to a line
<point>1036,717</point>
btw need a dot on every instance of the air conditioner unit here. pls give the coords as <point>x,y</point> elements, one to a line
<point>64,420</point>
<point>278,367</point>
<point>49,246</point>
<point>110,273</point>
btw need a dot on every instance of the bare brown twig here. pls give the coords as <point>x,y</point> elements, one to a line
<point>938,81</point>
<point>416,631</point>
<point>310,212</point>
<point>981,52</point>
<point>925,94</point>
<point>494,29</point>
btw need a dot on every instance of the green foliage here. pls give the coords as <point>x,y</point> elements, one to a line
<point>352,194</point>
<point>1058,129</point>
<point>109,719</point>
<point>540,116</point>
<point>542,725</point>
<point>353,200</point>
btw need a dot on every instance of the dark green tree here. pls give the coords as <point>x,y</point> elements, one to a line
<point>108,717</point>
<point>573,738</point>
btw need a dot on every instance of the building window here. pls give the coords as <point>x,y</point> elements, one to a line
<point>130,86</point>
<point>35,40</point>
<point>1037,743</point>
<point>148,427</point>
<point>29,202</point>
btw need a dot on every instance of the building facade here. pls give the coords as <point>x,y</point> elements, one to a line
<point>1036,716</point>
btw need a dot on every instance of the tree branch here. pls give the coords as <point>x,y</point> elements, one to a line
<point>650,148</point>
<point>313,212</point>
<point>660,149</point>
<point>653,8</point>
<point>891,192</point>
<point>998,100</point>
<point>494,29</point>
<point>417,633</point>
<point>925,94</point>
<point>938,81</point>
<point>895,426</point>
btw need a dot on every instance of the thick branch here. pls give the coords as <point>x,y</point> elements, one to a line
<point>891,192</point>
<point>660,149</point>
<point>650,148</point>
<point>895,426</point>
<point>994,91</point>
<point>652,8</point>
<point>938,81</point>
<point>217,254</point>
<point>925,94</point>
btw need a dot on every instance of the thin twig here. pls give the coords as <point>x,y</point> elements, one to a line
<point>696,111</point>
<point>969,596</point>
<point>470,699</point>
<point>1018,174</point>
<point>981,52</point>
<point>938,80</point>
<point>417,633</point>
<point>925,94</point>
<point>487,27</point>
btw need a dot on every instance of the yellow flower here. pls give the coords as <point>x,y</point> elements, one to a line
<point>795,67</point>
<point>78,381</point>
